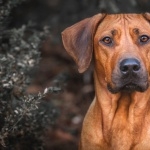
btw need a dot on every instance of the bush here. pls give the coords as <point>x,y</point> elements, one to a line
<point>23,117</point>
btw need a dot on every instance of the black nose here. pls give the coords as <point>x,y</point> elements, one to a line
<point>130,66</point>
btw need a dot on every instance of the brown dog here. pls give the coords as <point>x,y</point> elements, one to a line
<point>119,116</point>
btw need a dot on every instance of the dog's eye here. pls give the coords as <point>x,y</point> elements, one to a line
<point>144,38</point>
<point>107,40</point>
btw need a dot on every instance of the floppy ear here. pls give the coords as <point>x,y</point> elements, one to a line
<point>78,40</point>
<point>147,16</point>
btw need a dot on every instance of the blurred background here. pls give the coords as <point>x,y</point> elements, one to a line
<point>43,97</point>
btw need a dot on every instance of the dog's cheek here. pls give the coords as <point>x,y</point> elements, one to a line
<point>147,60</point>
<point>111,66</point>
<point>103,61</point>
<point>148,64</point>
<point>108,71</point>
<point>100,59</point>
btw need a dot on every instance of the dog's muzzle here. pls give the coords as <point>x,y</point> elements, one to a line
<point>130,76</point>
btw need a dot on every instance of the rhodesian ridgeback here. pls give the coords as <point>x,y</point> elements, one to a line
<point>119,116</point>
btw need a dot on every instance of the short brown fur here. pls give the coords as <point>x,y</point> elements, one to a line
<point>117,119</point>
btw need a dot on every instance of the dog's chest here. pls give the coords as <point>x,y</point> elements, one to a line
<point>130,133</point>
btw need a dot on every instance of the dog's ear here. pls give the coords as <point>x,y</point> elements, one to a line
<point>147,16</point>
<point>78,40</point>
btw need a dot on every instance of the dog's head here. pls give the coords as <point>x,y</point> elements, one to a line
<point>121,46</point>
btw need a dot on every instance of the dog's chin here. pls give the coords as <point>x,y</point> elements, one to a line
<point>131,87</point>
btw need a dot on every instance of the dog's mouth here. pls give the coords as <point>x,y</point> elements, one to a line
<point>129,76</point>
<point>129,87</point>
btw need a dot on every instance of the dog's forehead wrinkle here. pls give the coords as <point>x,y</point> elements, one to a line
<point>123,24</point>
<point>129,17</point>
<point>123,21</point>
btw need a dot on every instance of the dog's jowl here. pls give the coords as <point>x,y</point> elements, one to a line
<point>119,116</point>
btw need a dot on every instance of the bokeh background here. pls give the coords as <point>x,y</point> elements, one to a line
<point>70,92</point>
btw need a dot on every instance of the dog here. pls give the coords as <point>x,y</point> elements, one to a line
<point>119,116</point>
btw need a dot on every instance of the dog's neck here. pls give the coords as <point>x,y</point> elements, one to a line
<point>130,108</point>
